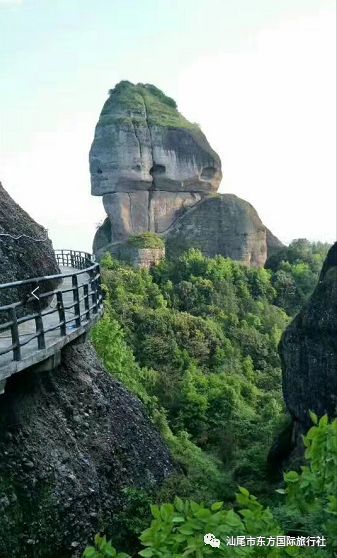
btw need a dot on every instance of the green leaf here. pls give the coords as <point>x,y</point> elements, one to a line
<point>155,511</point>
<point>313,417</point>
<point>178,519</point>
<point>291,476</point>
<point>217,506</point>
<point>179,504</point>
<point>195,507</point>
<point>146,553</point>
<point>323,421</point>
<point>232,518</point>
<point>185,530</point>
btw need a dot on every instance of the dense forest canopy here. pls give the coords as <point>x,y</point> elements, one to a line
<point>196,339</point>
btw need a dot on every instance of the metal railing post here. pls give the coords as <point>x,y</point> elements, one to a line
<point>41,342</point>
<point>15,335</point>
<point>93,291</point>
<point>62,316</point>
<point>99,284</point>
<point>86,301</point>
<point>76,301</point>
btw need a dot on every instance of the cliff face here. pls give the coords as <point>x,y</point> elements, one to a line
<point>71,440</point>
<point>308,351</point>
<point>143,143</point>
<point>25,257</point>
<point>153,167</point>
<point>148,162</point>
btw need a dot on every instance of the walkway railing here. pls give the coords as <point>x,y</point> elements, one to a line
<point>47,314</point>
<point>73,258</point>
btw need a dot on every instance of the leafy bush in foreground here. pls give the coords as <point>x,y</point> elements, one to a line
<point>178,528</point>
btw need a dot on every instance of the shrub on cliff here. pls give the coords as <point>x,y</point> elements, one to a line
<point>146,240</point>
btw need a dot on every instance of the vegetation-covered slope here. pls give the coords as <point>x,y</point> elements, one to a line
<point>196,340</point>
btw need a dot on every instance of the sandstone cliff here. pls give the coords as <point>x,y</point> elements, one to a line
<point>223,224</point>
<point>26,256</point>
<point>308,352</point>
<point>156,170</point>
<point>71,441</point>
<point>143,143</point>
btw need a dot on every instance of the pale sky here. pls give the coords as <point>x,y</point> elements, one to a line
<point>259,76</point>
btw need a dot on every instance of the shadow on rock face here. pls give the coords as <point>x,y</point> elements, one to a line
<point>308,351</point>
<point>70,441</point>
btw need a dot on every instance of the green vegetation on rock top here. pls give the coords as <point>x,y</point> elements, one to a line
<point>160,110</point>
<point>146,240</point>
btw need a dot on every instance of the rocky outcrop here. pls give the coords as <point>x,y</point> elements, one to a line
<point>143,143</point>
<point>155,171</point>
<point>71,441</point>
<point>25,250</point>
<point>308,352</point>
<point>138,257</point>
<point>148,162</point>
<point>273,243</point>
<point>223,224</point>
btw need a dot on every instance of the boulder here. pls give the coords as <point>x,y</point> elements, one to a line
<point>72,441</point>
<point>222,224</point>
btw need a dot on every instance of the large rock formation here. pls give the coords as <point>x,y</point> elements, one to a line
<point>142,143</point>
<point>156,170</point>
<point>71,442</point>
<point>223,224</point>
<point>308,351</point>
<point>25,251</point>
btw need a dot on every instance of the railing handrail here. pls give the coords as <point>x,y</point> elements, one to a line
<point>51,277</point>
<point>47,277</point>
<point>85,306</point>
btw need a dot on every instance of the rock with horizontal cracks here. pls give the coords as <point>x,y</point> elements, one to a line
<point>157,172</point>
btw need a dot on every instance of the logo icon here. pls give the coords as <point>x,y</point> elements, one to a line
<point>210,539</point>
